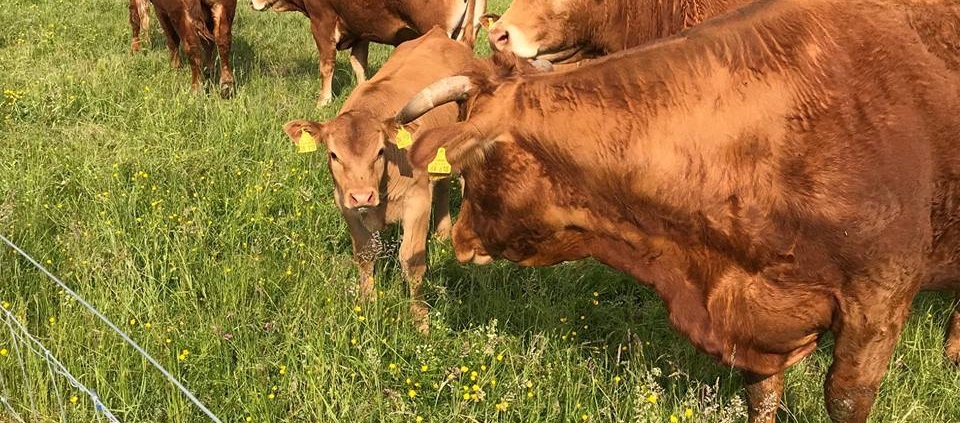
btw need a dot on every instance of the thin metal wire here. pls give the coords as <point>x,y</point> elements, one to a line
<point>114,327</point>
<point>37,348</point>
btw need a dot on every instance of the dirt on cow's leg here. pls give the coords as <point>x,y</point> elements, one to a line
<point>223,14</point>
<point>173,40</point>
<point>358,59</point>
<point>763,396</point>
<point>953,334</point>
<point>865,338</point>
<point>323,26</point>
<point>413,255</point>
<point>441,209</point>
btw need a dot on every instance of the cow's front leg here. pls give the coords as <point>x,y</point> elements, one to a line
<point>364,255</point>
<point>173,40</point>
<point>953,333</point>
<point>223,14</point>
<point>323,28</point>
<point>441,209</point>
<point>865,337</point>
<point>139,20</point>
<point>763,396</point>
<point>413,254</point>
<point>358,59</point>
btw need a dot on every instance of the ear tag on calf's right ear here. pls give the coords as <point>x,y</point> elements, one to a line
<point>306,143</point>
<point>404,139</point>
<point>439,167</point>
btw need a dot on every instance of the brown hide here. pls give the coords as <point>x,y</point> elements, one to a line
<point>342,24</point>
<point>200,26</point>
<point>772,174</point>
<point>565,31</point>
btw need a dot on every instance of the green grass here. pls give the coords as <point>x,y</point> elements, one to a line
<point>195,216</point>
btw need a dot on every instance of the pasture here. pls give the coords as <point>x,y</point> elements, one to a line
<point>192,222</point>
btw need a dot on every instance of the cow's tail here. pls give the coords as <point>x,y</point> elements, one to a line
<point>938,25</point>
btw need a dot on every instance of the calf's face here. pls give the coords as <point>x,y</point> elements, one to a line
<point>356,156</point>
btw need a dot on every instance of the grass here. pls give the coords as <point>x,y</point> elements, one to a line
<point>191,221</point>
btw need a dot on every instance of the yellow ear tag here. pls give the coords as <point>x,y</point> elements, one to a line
<point>306,143</point>
<point>404,139</point>
<point>439,167</point>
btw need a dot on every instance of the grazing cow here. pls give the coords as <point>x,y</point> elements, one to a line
<point>566,31</point>
<point>199,24</point>
<point>783,171</point>
<point>342,24</point>
<point>139,20</point>
<point>374,183</point>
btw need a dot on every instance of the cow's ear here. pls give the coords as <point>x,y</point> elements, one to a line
<point>303,133</point>
<point>487,19</point>
<point>401,136</point>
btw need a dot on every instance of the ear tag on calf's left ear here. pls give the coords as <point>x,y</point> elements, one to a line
<point>404,139</point>
<point>439,167</point>
<point>306,143</point>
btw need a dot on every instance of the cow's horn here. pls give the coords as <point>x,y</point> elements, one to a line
<point>452,88</point>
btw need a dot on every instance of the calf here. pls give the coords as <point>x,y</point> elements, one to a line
<point>199,24</point>
<point>139,20</point>
<point>374,183</point>
<point>342,24</point>
<point>773,174</point>
<point>566,31</point>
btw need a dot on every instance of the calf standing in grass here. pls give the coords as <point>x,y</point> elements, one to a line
<point>198,24</point>
<point>375,184</point>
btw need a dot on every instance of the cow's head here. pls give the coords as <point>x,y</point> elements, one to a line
<point>358,149</point>
<point>553,30</point>
<point>275,5</point>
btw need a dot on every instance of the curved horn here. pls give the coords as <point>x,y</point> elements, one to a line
<point>451,88</point>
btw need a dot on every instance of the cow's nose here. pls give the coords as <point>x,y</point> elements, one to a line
<point>362,198</point>
<point>499,36</point>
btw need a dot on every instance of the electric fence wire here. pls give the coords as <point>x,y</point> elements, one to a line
<point>114,327</point>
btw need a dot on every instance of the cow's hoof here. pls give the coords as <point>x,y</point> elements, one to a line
<point>135,46</point>
<point>226,90</point>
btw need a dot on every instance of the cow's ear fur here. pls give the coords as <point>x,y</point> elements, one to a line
<point>390,127</point>
<point>295,129</point>
<point>488,19</point>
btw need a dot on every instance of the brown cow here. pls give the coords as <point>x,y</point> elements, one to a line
<point>566,31</point>
<point>374,183</point>
<point>342,24</point>
<point>139,20</point>
<point>780,161</point>
<point>199,24</point>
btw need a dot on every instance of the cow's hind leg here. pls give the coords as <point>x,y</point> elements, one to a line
<point>358,59</point>
<point>953,333</point>
<point>139,20</point>
<point>323,26</point>
<point>413,254</point>
<point>223,14</point>
<point>866,333</point>
<point>763,396</point>
<point>173,40</point>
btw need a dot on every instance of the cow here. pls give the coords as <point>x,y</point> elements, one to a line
<point>781,171</point>
<point>374,183</point>
<point>568,31</point>
<point>198,25</point>
<point>342,24</point>
<point>139,20</point>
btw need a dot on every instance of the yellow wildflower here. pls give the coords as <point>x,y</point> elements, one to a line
<point>412,394</point>
<point>419,419</point>
<point>133,322</point>
<point>466,396</point>
<point>688,413</point>
<point>3,352</point>
<point>74,399</point>
<point>148,326</point>
<point>5,304</point>
<point>499,357</point>
<point>52,320</point>
<point>392,366</point>
<point>283,369</point>
<point>674,419</point>
<point>585,417</point>
<point>464,369</point>
<point>502,406</point>
<point>652,398</point>
<point>424,368</point>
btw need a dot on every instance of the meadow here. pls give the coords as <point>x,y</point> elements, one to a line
<point>192,222</point>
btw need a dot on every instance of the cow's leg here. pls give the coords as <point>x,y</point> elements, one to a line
<point>358,59</point>
<point>139,20</point>
<point>194,51</point>
<point>323,27</point>
<point>441,209</point>
<point>953,333</point>
<point>173,40</point>
<point>223,15</point>
<point>364,255</point>
<point>866,334</point>
<point>413,254</point>
<point>763,396</point>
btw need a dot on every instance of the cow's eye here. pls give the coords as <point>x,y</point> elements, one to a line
<point>333,156</point>
<point>380,153</point>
